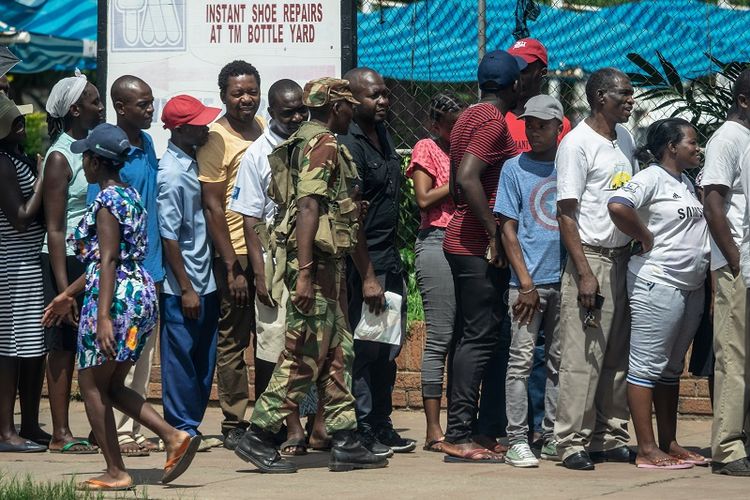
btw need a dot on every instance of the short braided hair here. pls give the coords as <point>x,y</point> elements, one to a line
<point>445,103</point>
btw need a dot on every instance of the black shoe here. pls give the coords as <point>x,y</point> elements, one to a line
<point>390,438</point>
<point>347,453</point>
<point>579,461</point>
<point>739,467</point>
<point>258,448</point>
<point>619,454</point>
<point>233,438</point>
<point>367,438</point>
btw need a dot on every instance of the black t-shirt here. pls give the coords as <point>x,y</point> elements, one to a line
<point>380,184</point>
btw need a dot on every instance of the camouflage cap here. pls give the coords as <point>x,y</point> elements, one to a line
<point>321,91</point>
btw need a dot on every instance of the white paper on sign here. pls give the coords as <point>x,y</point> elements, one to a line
<point>384,327</point>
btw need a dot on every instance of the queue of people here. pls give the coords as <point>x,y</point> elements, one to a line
<point>562,271</point>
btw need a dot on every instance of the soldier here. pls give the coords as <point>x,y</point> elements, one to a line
<point>316,225</point>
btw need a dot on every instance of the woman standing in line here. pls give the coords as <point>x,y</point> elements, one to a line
<point>73,108</point>
<point>22,351</point>
<point>658,208</point>
<point>430,169</point>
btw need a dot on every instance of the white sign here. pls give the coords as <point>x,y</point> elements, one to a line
<point>179,46</point>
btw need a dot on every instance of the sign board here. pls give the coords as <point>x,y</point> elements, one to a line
<point>179,46</point>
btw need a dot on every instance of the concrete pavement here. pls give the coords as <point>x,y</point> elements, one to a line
<point>219,474</point>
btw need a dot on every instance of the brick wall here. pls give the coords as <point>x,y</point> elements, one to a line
<point>694,397</point>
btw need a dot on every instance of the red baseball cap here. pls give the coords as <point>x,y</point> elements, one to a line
<point>530,49</point>
<point>187,110</point>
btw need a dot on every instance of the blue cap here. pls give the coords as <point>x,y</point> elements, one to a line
<point>107,141</point>
<point>499,67</point>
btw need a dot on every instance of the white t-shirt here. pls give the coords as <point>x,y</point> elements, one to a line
<point>250,195</point>
<point>671,211</point>
<point>722,167</point>
<point>590,168</point>
<point>745,246</point>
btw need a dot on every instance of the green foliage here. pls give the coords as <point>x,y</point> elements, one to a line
<point>36,134</point>
<point>14,488</point>
<point>408,225</point>
<point>702,99</point>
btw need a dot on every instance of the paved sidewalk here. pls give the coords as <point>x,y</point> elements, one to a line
<point>219,474</point>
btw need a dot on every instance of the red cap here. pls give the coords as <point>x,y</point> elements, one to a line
<point>530,49</point>
<point>187,110</point>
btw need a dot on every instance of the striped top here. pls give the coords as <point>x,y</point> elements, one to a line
<point>21,292</point>
<point>482,131</point>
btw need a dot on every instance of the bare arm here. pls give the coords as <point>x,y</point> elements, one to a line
<point>588,285</point>
<point>108,233</point>
<point>528,298</point>
<point>57,175</point>
<point>308,213</point>
<point>213,194</point>
<point>714,203</point>
<point>425,191</point>
<point>191,304</point>
<point>626,219</point>
<point>255,254</point>
<point>468,179</point>
<point>20,214</point>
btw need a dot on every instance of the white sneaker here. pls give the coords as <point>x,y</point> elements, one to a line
<point>520,455</point>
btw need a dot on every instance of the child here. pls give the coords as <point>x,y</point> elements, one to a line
<point>119,310</point>
<point>526,205</point>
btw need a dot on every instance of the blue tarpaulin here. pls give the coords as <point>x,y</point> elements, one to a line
<point>61,31</point>
<point>436,40</point>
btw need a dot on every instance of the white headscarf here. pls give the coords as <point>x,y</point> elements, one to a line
<point>65,93</point>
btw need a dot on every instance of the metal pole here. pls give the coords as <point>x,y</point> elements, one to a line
<point>481,28</point>
<point>348,35</point>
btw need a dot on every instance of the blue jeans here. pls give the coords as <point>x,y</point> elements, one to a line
<point>188,359</point>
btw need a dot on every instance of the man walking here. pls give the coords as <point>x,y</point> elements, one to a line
<point>595,158</point>
<point>311,180</point>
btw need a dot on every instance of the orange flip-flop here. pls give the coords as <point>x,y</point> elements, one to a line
<point>97,485</point>
<point>178,464</point>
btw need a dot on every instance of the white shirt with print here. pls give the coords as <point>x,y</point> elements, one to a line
<point>590,168</point>
<point>672,212</point>
<point>722,167</point>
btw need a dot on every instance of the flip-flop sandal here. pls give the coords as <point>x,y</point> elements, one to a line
<point>475,457</point>
<point>694,459</point>
<point>88,448</point>
<point>297,445</point>
<point>150,445</point>
<point>124,440</point>
<point>435,445</point>
<point>97,485</point>
<point>178,464</point>
<point>662,464</point>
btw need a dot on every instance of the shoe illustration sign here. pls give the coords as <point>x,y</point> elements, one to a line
<point>147,25</point>
<point>179,46</point>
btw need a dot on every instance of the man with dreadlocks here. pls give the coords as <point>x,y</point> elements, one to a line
<point>73,108</point>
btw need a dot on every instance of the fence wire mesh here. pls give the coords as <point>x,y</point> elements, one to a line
<point>682,56</point>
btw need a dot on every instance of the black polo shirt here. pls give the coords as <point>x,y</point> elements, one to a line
<point>380,184</point>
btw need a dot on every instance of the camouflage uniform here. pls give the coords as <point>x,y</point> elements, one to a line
<point>319,346</point>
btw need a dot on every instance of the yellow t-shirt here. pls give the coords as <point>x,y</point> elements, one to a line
<point>218,161</point>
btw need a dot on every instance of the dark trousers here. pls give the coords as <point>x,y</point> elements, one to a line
<point>374,370</point>
<point>188,357</point>
<point>480,311</point>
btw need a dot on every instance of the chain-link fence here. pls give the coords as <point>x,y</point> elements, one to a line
<point>678,53</point>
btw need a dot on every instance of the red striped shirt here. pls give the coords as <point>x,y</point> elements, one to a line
<point>482,131</point>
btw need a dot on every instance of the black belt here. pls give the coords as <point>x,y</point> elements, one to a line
<point>609,253</point>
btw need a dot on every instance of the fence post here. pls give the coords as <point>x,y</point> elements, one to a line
<point>348,35</point>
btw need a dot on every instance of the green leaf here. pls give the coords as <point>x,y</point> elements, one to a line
<point>673,77</point>
<point>654,77</point>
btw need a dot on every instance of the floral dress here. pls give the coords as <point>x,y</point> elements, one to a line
<point>134,302</point>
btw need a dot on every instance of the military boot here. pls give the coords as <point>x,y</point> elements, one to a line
<point>257,447</point>
<point>347,453</point>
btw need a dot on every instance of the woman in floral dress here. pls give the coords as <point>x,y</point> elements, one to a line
<point>119,310</point>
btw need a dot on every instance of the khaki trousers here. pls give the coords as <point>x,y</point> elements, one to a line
<point>592,408</point>
<point>731,369</point>
<point>137,380</point>
<point>235,329</point>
